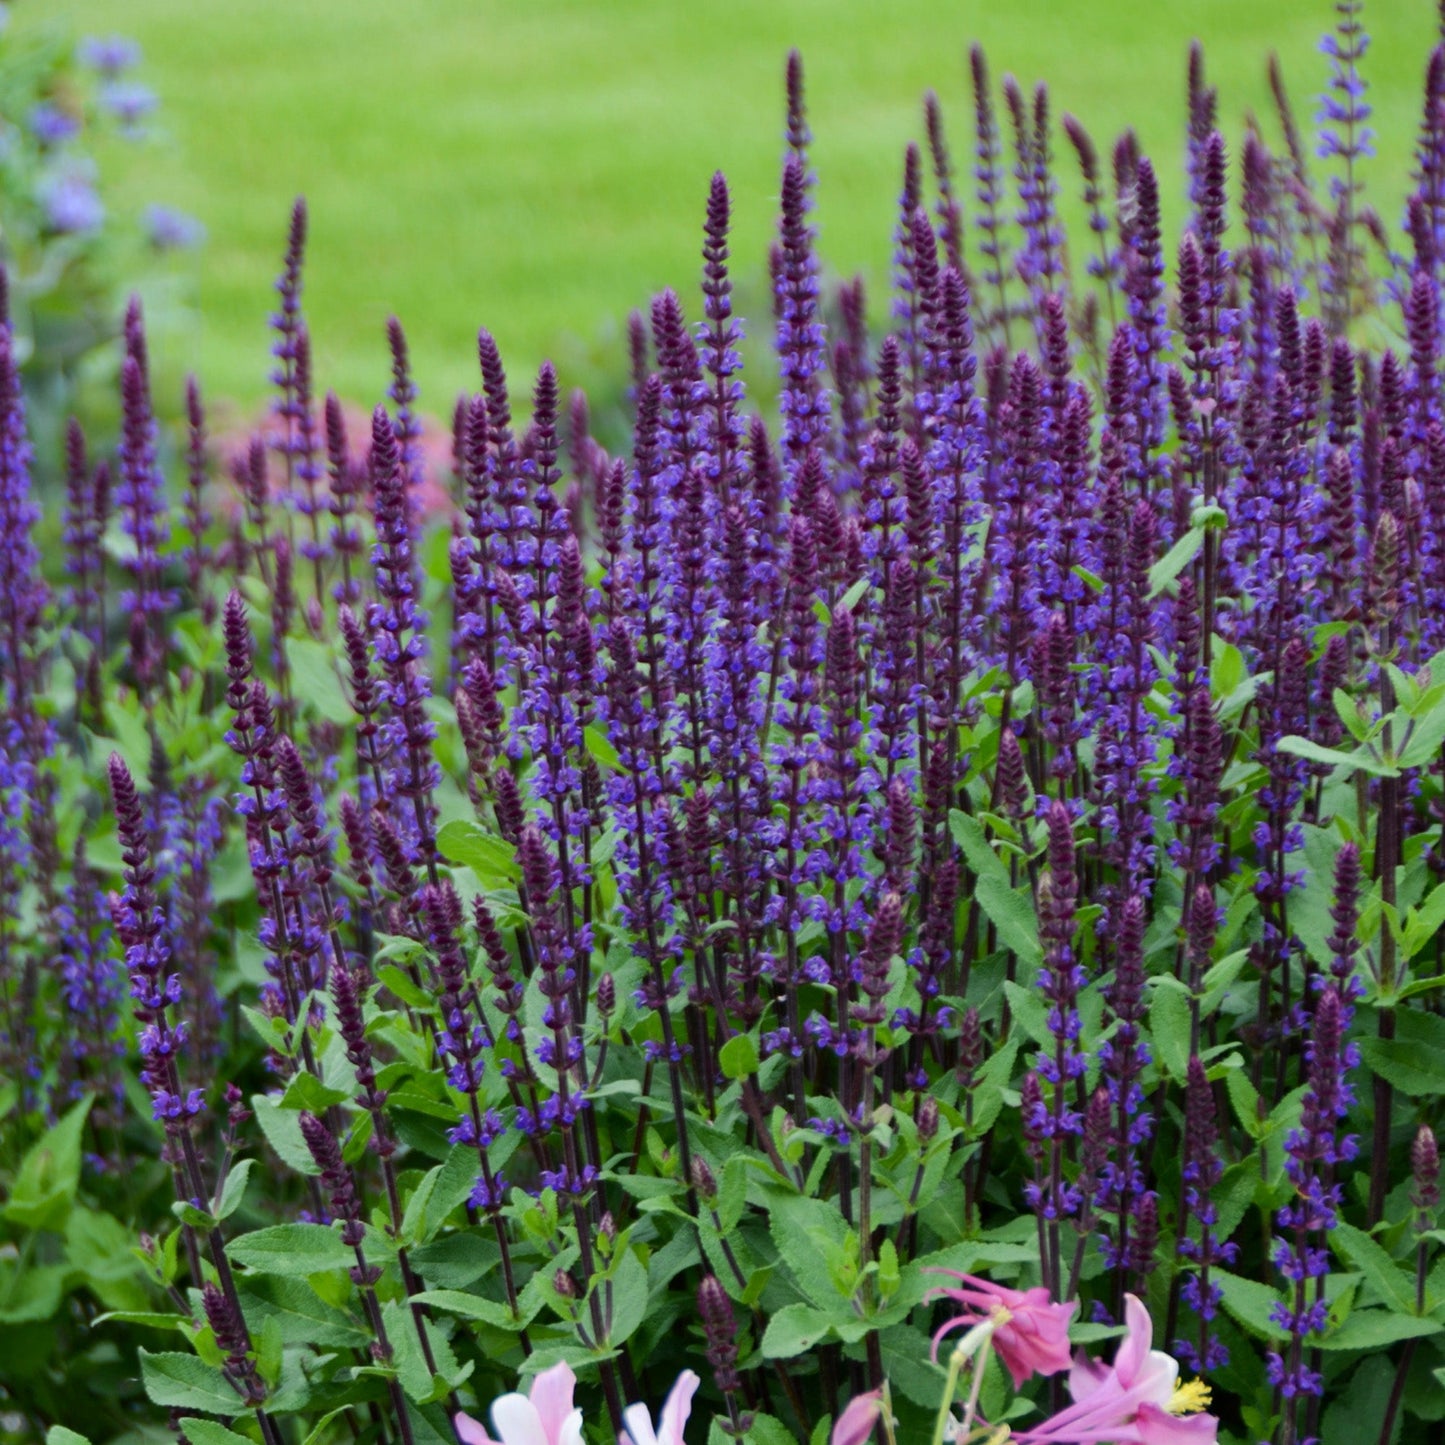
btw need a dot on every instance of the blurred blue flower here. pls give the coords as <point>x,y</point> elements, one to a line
<point>128,102</point>
<point>109,54</point>
<point>51,125</point>
<point>171,230</point>
<point>71,205</point>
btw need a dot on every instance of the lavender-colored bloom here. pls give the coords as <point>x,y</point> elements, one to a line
<point>229,1327</point>
<point>52,126</point>
<point>1143,284</point>
<point>397,627</point>
<point>92,986</point>
<point>140,500</point>
<point>1037,265</point>
<point>109,54</point>
<point>22,591</point>
<point>1058,1067</point>
<point>71,204</point>
<point>168,229</point>
<point>1343,108</point>
<point>129,102</point>
<point>721,337</point>
<point>1121,1189</point>
<point>1203,1169</point>
<point>141,925</point>
<point>988,174</point>
<point>803,401</point>
<point>1314,1149</point>
<point>196,834</point>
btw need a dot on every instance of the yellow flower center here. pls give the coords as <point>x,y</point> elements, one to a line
<point>1189,1398</point>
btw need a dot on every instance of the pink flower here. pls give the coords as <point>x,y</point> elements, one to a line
<point>1135,1401</point>
<point>855,1424</point>
<point>1031,1334</point>
<point>675,1411</point>
<point>546,1417</point>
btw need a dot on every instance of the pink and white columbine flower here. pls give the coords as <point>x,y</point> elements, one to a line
<point>545,1417</point>
<point>1031,1334</point>
<point>1137,1400</point>
<point>676,1409</point>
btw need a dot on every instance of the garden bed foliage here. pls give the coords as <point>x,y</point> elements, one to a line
<point>641,914</point>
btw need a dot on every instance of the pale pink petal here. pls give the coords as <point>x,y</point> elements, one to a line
<point>637,1420</point>
<point>1035,1338</point>
<point>516,1421</point>
<point>1155,1382</point>
<point>571,1433</point>
<point>677,1408</point>
<point>1135,1350</point>
<point>1086,1375</point>
<point>855,1424</point>
<point>552,1397</point>
<point>1158,1427</point>
<point>469,1431</point>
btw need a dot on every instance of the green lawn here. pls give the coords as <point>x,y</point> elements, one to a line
<point>540,166</point>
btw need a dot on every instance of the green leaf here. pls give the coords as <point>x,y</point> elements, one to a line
<point>1422,745</point>
<point>319,1431</point>
<point>1414,1060</point>
<point>492,859</point>
<point>271,1031</point>
<point>600,747</point>
<point>1390,1282</point>
<point>1030,1012</point>
<point>49,1175</point>
<point>182,1382</point>
<point>208,1432</point>
<point>767,1430</point>
<point>315,679</point>
<point>410,1360</point>
<point>852,597</point>
<point>468,1306</point>
<point>187,1213</point>
<point>794,1330</point>
<point>297,1314</point>
<point>282,1128</point>
<point>629,1300</point>
<point>1175,560</point>
<point>452,1183</point>
<point>1220,978</point>
<point>30,1293</point>
<point>810,1236</point>
<point>294,1250</point>
<point>455,1260</point>
<point>968,833</point>
<point>63,1435</point>
<point>234,1190</point>
<point>738,1057</point>
<point>306,1091</point>
<point>1358,761</point>
<point>1012,914</point>
<point>1227,671</point>
<point>1169,1025</point>
<point>1424,922</point>
<point>1378,1329</point>
<point>399,981</point>
<point>1250,1303</point>
<point>1353,715</point>
<point>150,1318</point>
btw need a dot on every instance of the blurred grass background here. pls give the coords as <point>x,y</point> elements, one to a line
<point>540,166</point>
